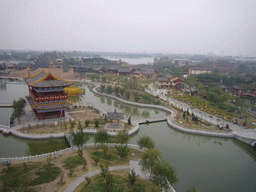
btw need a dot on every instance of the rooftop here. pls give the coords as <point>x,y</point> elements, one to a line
<point>115,115</point>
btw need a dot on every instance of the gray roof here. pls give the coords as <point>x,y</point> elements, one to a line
<point>46,106</point>
<point>53,105</point>
<point>201,68</point>
<point>237,87</point>
<point>162,79</point>
<point>169,76</point>
<point>124,70</point>
<point>115,115</point>
<point>30,100</point>
<point>50,83</point>
<point>29,80</point>
<point>223,86</point>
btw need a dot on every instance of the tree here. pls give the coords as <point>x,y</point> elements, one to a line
<point>116,90</point>
<point>79,126</point>
<point>96,122</point>
<point>128,93</point>
<point>79,138</point>
<point>109,182</point>
<point>122,90</point>
<point>132,177</point>
<point>104,170</point>
<point>102,88</point>
<point>84,162</point>
<point>192,189</point>
<point>146,142</point>
<point>101,137</point>
<point>122,151</point>
<point>72,124</point>
<point>149,159</point>
<point>71,163</point>
<point>86,123</point>
<point>184,115</point>
<point>89,180</point>
<point>129,121</point>
<point>122,137</point>
<point>96,160</point>
<point>18,107</point>
<point>109,89</point>
<point>164,172</point>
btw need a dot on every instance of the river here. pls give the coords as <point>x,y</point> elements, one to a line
<point>213,164</point>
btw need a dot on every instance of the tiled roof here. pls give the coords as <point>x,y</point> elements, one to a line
<point>30,80</point>
<point>51,83</point>
<point>37,106</point>
<point>38,80</point>
<point>52,105</point>
<point>30,100</point>
<point>115,115</point>
<point>124,70</point>
<point>162,79</point>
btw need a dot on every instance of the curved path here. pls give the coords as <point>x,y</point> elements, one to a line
<point>79,180</point>
<point>134,165</point>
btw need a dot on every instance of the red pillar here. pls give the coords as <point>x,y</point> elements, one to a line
<point>63,113</point>
<point>111,121</point>
<point>38,116</point>
<point>44,115</point>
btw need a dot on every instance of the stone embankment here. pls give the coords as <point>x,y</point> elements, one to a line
<point>244,137</point>
<point>57,153</point>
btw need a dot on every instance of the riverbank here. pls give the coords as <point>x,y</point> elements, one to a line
<point>247,138</point>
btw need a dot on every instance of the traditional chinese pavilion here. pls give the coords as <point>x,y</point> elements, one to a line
<point>115,116</point>
<point>46,95</point>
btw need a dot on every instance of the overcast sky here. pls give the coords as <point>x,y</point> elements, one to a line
<point>167,26</point>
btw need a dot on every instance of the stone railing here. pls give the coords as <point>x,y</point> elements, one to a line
<point>133,103</point>
<point>57,153</point>
<point>198,131</point>
<point>37,136</point>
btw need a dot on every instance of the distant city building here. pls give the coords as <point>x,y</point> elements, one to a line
<point>170,82</point>
<point>198,70</point>
<point>224,65</point>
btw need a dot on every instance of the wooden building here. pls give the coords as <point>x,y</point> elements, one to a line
<point>46,95</point>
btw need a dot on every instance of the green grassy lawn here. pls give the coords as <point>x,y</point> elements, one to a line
<point>120,184</point>
<point>20,177</point>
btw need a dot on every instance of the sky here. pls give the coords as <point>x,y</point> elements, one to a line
<point>159,26</point>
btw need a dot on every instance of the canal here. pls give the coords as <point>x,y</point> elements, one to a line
<point>213,164</point>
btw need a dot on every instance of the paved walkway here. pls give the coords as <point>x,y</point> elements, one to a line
<point>133,165</point>
<point>202,114</point>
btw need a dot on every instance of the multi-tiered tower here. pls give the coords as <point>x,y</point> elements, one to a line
<point>46,95</point>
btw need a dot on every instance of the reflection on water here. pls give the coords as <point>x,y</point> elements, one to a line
<point>76,99</point>
<point>109,104</point>
<point>102,100</point>
<point>145,113</point>
<point>109,101</point>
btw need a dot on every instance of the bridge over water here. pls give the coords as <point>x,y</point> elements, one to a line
<point>6,105</point>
